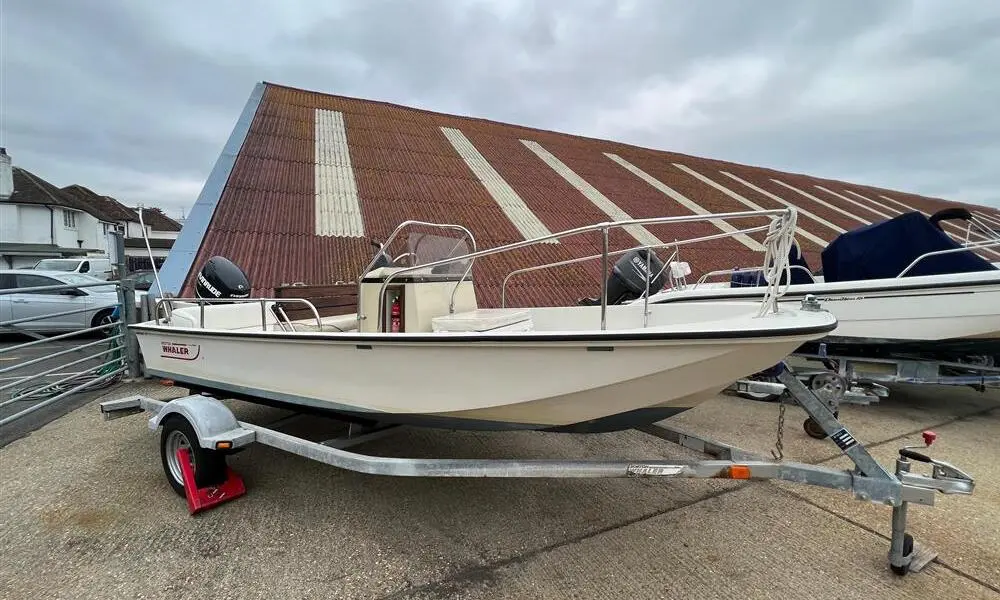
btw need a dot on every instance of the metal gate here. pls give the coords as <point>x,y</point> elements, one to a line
<point>86,348</point>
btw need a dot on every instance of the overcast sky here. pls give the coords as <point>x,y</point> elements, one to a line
<point>135,99</point>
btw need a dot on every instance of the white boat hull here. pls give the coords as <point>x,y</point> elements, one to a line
<point>536,380</point>
<point>941,308</point>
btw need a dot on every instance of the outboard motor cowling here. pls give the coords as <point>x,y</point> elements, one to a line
<point>629,276</point>
<point>221,278</point>
<point>382,259</point>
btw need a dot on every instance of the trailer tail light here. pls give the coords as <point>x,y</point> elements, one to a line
<point>739,472</point>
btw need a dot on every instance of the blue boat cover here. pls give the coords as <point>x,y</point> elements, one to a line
<point>884,249</point>
<point>755,277</point>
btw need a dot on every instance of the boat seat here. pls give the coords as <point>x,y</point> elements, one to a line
<point>334,324</point>
<point>480,320</point>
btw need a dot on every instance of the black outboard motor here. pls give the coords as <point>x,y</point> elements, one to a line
<point>383,260</point>
<point>628,278</point>
<point>221,278</point>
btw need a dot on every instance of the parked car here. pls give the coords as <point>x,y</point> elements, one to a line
<point>143,279</point>
<point>95,303</point>
<point>96,266</point>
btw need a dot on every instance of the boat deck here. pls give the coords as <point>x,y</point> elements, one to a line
<point>88,514</point>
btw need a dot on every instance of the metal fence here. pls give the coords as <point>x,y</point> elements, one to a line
<point>93,364</point>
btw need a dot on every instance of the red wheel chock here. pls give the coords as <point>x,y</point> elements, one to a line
<point>199,499</point>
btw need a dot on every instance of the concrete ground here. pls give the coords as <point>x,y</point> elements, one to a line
<point>87,513</point>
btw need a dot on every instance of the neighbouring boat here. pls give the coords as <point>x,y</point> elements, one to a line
<point>420,350</point>
<point>899,287</point>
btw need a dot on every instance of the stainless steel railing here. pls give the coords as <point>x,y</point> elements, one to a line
<point>969,247</point>
<point>603,228</point>
<point>201,302</point>
<point>674,244</point>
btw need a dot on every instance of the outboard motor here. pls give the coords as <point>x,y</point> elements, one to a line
<point>221,278</point>
<point>383,260</point>
<point>628,277</point>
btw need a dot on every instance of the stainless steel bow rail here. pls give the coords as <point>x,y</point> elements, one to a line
<point>208,429</point>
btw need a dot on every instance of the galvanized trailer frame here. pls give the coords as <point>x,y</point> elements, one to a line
<point>218,431</point>
<point>858,380</point>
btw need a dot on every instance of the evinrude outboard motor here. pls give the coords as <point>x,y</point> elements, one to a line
<point>628,278</point>
<point>221,278</point>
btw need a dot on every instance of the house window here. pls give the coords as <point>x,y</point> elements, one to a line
<point>69,219</point>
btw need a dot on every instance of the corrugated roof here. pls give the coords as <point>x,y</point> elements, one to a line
<point>308,177</point>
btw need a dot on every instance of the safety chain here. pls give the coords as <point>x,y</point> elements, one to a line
<point>779,445</point>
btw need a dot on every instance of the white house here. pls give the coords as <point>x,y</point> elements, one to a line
<point>160,229</point>
<point>38,220</point>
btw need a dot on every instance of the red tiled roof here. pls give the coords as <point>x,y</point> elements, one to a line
<point>405,168</point>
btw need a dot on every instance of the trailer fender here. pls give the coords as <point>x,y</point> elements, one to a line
<point>212,421</point>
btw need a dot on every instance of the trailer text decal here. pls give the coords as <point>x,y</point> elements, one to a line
<point>179,351</point>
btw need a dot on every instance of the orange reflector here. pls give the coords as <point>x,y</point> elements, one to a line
<point>223,445</point>
<point>167,382</point>
<point>739,472</point>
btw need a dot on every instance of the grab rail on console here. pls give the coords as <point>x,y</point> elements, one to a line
<point>392,238</point>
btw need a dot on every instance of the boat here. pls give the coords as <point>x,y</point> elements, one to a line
<point>419,350</point>
<point>899,288</point>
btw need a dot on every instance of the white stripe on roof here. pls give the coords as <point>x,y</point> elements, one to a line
<point>694,207</point>
<point>509,201</point>
<point>823,202</point>
<point>338,207</point>
<point>875,202</point>
<point>986,217</point>
<point>753,205</point>
<point>780,200</point>
<point>640,233</point>
<point>854,202</point>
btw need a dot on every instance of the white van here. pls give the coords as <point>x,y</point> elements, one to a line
<point>95,266</point>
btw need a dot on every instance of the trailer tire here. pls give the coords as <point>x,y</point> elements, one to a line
<point>209,465</point>
<point>813,429</point>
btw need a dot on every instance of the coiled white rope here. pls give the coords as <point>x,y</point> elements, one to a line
<point>777,246</point>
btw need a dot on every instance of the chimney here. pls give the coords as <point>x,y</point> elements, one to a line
<point>6,175</point>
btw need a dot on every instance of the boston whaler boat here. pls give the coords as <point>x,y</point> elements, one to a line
<point>419,350</point>
<point>912,304</point>
<point>897,285</point>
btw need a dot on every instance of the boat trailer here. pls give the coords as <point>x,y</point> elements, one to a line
<point>859,380</point>
<point>199,431</point>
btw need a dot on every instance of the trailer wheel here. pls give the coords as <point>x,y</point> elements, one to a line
<point>209,465</point>
<point>813,429</point>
